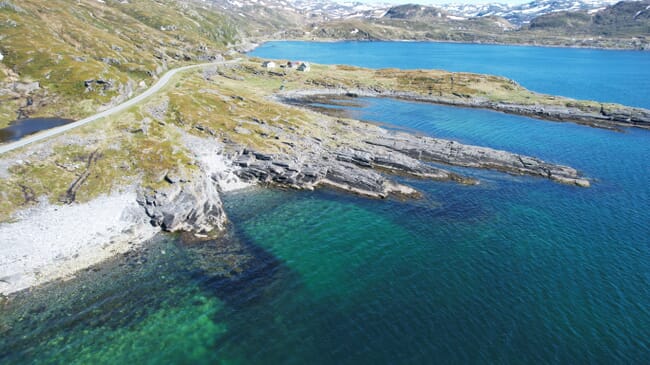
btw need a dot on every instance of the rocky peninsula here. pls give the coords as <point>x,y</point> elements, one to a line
<point>163,165</point>
<point>470,91</point>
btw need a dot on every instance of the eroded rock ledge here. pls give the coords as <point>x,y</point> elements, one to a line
<point>359,168</point>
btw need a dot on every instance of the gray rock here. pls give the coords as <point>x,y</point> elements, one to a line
<point>105,85</point>
<point>262,156</point>
<point>26,87</point>
<point>360,167</point>
<point>193,206</point>
<point>458,154</point>
<point>111,61</point>
<point>158,111</point>
<point>242,130</point>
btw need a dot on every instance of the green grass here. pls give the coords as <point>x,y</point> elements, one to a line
<point>128,152</point>
<point>62,43</point>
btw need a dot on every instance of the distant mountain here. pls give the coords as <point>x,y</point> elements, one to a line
<point>621,19</point>
<point>322,10</point>
<point>311,9</point>
<point>413,12</point>
<point>524,13</point>
<point>585,24</point>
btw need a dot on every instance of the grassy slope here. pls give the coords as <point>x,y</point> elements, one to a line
<point>141,144</point>
<point>62,43</point>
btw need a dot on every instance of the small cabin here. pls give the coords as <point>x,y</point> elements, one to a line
<point>304,67</point>
<point>268,64</point>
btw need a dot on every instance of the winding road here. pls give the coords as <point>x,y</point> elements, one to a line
<point>4,148</point>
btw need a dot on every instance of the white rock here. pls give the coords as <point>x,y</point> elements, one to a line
<point>51,241</point>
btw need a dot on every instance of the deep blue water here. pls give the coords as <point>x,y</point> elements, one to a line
<point>602,75</point>
<point>516,270</point>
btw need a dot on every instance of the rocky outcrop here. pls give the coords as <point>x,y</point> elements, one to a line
<point>104,85</point>
<point>605,116</point>
<point>458,154</point>
<point>288,171</point>
<point>191,205</point>
<point>361,167</point>
<point>609,116</point>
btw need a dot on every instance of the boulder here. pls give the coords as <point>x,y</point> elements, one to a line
<point>190,206</point>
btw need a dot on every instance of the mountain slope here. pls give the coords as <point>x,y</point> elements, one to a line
<point>66,57</point>
<point>524,13</point>
<point>413,12</point>
<point>620,20</point>
<point>623,25</point>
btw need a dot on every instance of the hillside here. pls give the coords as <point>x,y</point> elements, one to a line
<point>623,19</point>
<point>623,25</point>
<point>414,12</point>
<point>521,14</point>
<point>68,58</point>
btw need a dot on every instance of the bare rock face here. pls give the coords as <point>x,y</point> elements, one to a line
<point>190,206</point>
<point>458,154</point>
<point>361,168</point>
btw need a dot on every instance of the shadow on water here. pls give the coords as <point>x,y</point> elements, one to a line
<point>24,127</point>
<point>237,271</point>
<point>167,272</point>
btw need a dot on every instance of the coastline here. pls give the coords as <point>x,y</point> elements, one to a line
<point>614,119</point>
<point>78,236</point>
<point>49,242</point>
<point>258,43</point>
<point>84,234</point>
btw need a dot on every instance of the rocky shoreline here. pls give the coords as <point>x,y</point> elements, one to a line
<point>358,159</point>
<point>319,151</point>
<point>50,242</point>
<point>362,169</point>
<point>604,116</point>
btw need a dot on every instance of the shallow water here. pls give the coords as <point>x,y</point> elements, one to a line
<point>514,270</point>
<point>24,127</point>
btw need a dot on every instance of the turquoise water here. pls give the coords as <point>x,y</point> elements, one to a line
<point>514,270</point>
<point>603,75</point>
